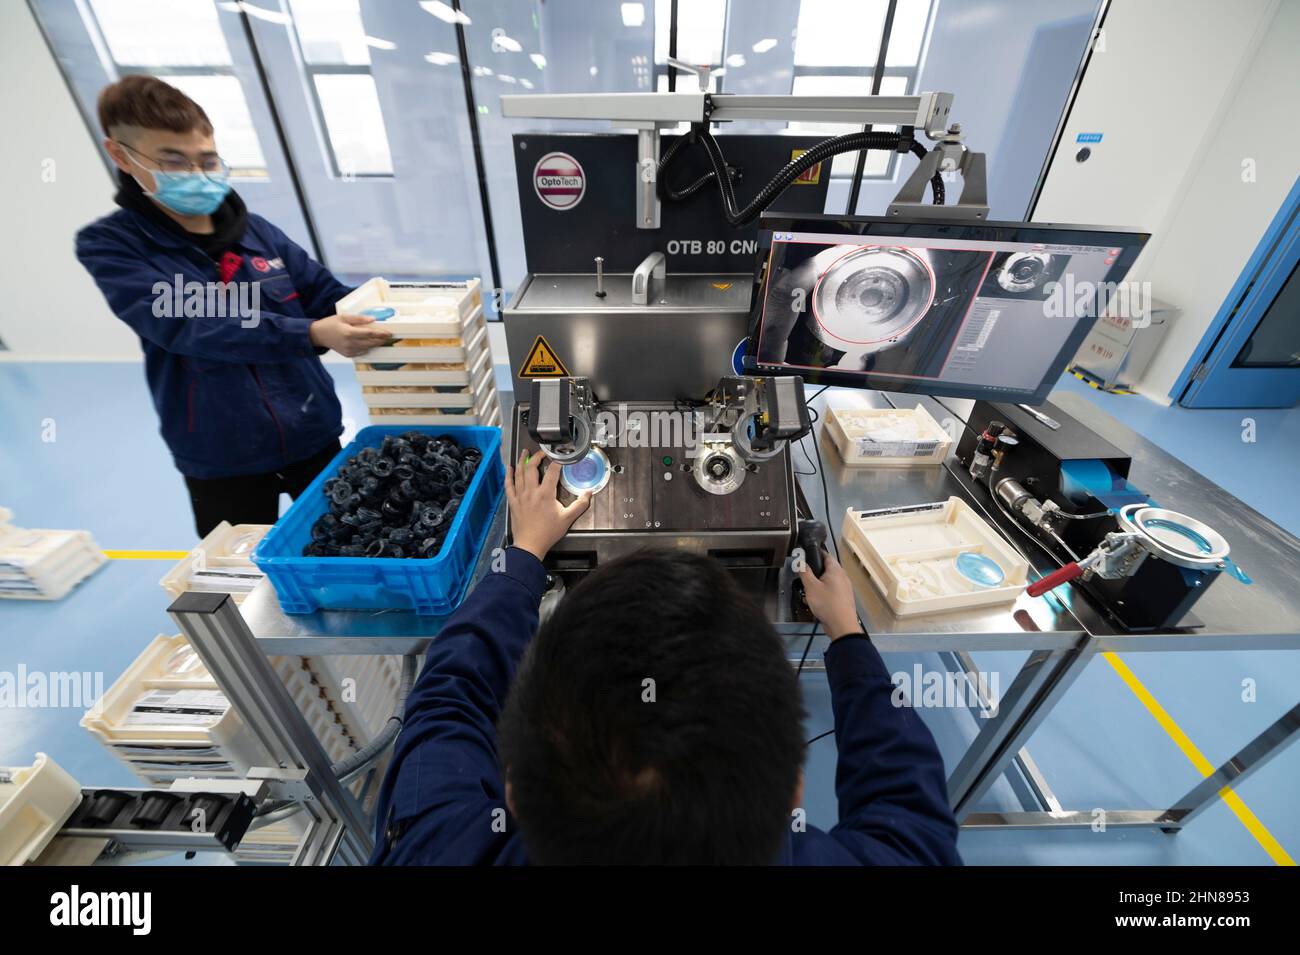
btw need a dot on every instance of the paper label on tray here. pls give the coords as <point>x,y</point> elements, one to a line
<point>176,707</point>
<point>870,448</point>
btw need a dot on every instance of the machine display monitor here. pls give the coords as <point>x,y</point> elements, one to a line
<point>991,310</point>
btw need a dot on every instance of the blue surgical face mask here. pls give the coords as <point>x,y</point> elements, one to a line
<point>187,193</point>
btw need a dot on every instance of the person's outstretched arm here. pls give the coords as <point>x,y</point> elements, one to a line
<point>443,799</point>
<point>889,777</point>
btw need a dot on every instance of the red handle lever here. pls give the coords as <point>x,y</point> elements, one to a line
<point>1054,580</point>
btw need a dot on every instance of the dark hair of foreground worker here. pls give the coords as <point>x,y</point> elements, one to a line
<point>654,719</point>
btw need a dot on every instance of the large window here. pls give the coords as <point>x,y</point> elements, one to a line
<point>181,42</point>
<point>836,46</point>
<point>348,118</point>
<point>831,51</point>
<point>701,27</point>
<point>336,57</point>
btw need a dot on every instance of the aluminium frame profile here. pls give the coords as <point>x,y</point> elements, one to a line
<point>214,627</point>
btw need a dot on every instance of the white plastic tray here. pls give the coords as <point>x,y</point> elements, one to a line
<point>887,437</point>
<point>488,418</point>
<point>44,564</point>
<point>219,563</point>
<point>54,586</point>
<point>910,555</point>
<point>424,309</point>
<point>436,349</point>
<point>176,747</point>
<point>428,396</point>
<point>34,802</point>
<point>411,372</point>
<point>481,407</point>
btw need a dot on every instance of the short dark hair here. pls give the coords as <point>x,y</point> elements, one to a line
<point>149,103</point>
<point>704,774</point>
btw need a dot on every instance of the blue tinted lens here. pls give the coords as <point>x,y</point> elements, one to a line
<point>979,569</point>
<point>1195,539</point>
<point>587,474</point>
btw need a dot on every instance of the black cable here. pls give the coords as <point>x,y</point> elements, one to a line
<point>826,502</point>
<point>826,498</point>
<point>808,458</point>
<point>829,732</point>
<point>807,647</point>
<point>877,77</point>
<point>476,140</point>
<point>724,174</point>
<point>936,181</point>
<point>812,414</point>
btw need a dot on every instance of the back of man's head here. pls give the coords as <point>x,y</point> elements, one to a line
<point>654,719</point>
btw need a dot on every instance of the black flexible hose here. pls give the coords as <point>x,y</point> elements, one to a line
<point>723,174</point>
<point>677,195</point>
<point>936,181</point>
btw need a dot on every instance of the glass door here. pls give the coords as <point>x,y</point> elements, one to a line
<point>1252,356</point>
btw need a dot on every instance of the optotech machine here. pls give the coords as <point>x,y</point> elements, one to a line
<point>626,334</point>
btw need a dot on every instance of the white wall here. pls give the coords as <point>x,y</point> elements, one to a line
<point>52,309</point>
<point>1183,91</point>
<point>1220,218</point>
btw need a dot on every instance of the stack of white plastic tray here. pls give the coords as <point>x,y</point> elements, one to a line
<point>35,801</point>
<point>438,370</point>
<point>220,563</point>
<point>930,558</point>
<point>360,690</point>
<point>165,718</point>
<point>41,564</point>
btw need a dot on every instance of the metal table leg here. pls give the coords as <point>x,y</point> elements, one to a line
<point>1042,679</point>
<point>1240,767</point>
<point>1249,759</point>
<point>218,633</point>
<point>959,661</point>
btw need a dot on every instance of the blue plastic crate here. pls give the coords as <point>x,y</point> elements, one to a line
<point>429,587</point>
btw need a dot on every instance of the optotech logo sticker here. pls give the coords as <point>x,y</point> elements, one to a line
<point>559,181</point>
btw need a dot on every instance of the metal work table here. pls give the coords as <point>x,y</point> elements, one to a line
<point>1060,631</point>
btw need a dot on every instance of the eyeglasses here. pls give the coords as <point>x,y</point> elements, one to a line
<point>213,166</point>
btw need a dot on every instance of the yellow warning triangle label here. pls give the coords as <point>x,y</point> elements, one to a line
<point>542,362</point>
<point>721,286</point>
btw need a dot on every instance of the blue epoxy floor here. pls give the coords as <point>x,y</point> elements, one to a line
<point>107,471</point>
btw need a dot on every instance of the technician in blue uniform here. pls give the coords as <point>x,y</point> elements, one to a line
<point>654,719</point>
<point>246,407</point>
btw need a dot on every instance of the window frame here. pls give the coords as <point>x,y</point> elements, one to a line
<point>309,73</point>
<point>162,71</point>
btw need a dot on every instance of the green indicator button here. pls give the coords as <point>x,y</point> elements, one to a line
<point>668,460</point>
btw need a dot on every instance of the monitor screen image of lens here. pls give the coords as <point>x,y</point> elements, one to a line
<point>942,310</point>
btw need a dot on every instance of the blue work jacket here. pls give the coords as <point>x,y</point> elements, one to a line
<point>236,395</point>
<point>445,782</point>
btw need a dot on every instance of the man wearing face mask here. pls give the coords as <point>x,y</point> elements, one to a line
<point>232,315</point>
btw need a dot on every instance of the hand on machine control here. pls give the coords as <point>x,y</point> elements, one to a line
<point>537,517</point>
<point>349,335</point>
<point>830,597</point>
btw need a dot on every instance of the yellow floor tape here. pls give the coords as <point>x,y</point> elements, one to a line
<point>1197,758</point>
<point>146,554</point>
